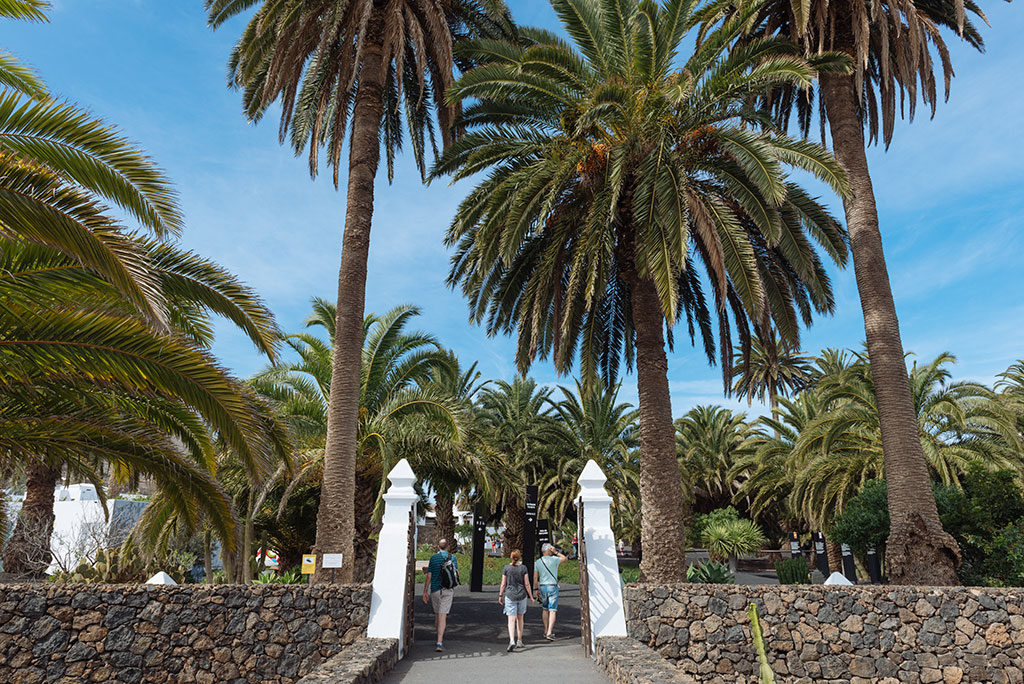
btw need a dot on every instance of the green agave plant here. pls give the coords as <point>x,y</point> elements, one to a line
<point>732,538</point>
<point>709,572</point>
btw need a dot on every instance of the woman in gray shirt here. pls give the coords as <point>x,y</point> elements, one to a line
<point>514,595</point>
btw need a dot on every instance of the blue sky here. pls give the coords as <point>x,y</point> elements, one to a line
<point>949,192</point>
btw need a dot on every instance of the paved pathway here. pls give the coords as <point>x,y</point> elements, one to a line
<point>476,639</point>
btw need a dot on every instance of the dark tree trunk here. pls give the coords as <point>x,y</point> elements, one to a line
<point>444,519</point>
<point>28,550</point>
<point>515,521</point>
<point>367,486</point>
<point>918,549</point>
<point>208,556</point>
<point>335,529</point>
<point>661,496</point>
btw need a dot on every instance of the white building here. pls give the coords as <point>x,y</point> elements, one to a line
<point>80,524</point>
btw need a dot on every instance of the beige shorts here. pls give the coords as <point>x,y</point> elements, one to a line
<point>441,601</point>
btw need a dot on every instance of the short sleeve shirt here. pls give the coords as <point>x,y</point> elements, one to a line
<point>515,589</point>
<point>434,568</point>
<point>547,569</point>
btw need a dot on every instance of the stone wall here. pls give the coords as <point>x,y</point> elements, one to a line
<point>835,634</point>
<point>175,634</point>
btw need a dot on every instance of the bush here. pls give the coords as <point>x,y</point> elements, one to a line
<point>732,538</point>
<point>709,572</point>
<point>986,517</point>
<point>703,520</point>
<point>293,576</point>
<point>865,520</point>
<point>793,571</point>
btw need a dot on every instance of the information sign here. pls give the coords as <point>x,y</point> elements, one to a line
<point>308,563</point>
<point>331,560</point>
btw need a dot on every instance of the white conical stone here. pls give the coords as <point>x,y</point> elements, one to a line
<point>838,578</point>
<point>161,578</point>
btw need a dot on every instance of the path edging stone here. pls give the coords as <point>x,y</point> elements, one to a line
<point>364,662</point>
<point>627,661</point>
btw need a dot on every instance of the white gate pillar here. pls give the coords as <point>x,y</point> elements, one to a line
<point>604,585</point>
<point>388,604</point>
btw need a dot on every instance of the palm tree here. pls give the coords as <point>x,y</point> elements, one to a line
<point>592,425</point>
<point>326,62</point>
<point>396,403</point>
<point>615,176</point>
<point>769,370</point>
<point>466,466</point>
<point>709,441</point>
<point>895,47</point>
<point>89,381</point>
<point>13,74</point>
<point>521,427</point>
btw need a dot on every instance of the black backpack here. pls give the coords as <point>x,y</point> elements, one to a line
<point>449,573</point>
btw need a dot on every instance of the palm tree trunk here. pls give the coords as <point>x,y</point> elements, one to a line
<point>28,550</point>
<point>245,557</point>
<point>367,486</point>
<point>208,556</point>
<point>515,520</point>
<point>661,495</point>
<point>444,518</point>
<point>335,523</point>
<point>919,550</point>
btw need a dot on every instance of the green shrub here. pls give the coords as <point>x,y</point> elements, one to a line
<point>702,520</point>
<point>793,571</point>
<point>732,538</point>
<point>293,576</point>
<point>865,520</point>
<point>709,572</point>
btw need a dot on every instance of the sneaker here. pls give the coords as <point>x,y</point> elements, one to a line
<point>550,637</point>
<point>439,647</point>
<point>511,646</point>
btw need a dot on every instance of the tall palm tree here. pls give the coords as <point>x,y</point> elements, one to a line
<point>521,427</point>
<point>331,64</point>
<point>896,48</point>
<point>396,402</point>
<point>619,169</point>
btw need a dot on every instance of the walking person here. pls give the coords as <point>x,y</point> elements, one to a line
<point>514,594</point>
<point>442,575</point>
<point>545,578</point>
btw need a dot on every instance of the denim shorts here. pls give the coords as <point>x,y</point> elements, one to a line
<point>548,596</point>
<point>515,607</point>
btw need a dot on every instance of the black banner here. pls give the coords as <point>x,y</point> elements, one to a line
<point>821,553</point>
<point>849,567</point>
<point>794,545</point>
<point>543,534</point>
<point>530,528</point>
<point>874,566</point>
<point>476,575</point>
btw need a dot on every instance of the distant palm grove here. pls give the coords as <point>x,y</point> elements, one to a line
<point>635,183</point>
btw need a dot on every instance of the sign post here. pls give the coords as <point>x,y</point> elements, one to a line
<point>530,528</point>
<point>849,567</point>
<point>874,566</point>
<point>821,553</point>
<point>332,561</point>
<point>794,545</point>
<point>476,575</point>
<point>543,533</point>
<point>308,565</point>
